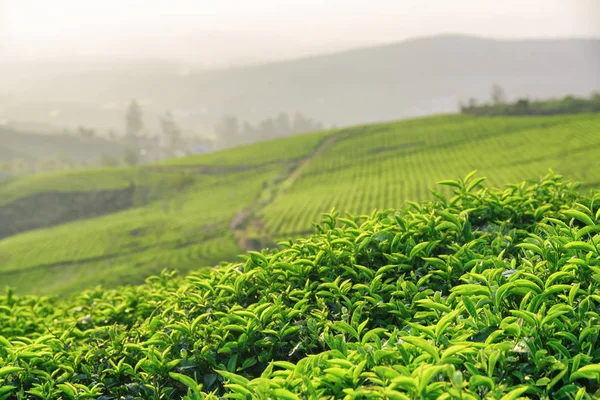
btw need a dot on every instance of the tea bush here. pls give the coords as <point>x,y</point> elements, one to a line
<point>487,294</point>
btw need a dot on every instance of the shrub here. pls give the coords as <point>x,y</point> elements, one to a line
<point>487,294</point>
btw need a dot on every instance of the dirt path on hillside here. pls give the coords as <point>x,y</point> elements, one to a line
<point>246,225</point>
<point>324,145</point>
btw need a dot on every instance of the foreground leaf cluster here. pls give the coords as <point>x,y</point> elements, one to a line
<point>490,294</point>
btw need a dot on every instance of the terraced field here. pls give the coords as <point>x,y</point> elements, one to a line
<point>69,181</point>
<point>256,195</point>
<point>395,162</point>
<point>256,154</point>
<point>125,247</point>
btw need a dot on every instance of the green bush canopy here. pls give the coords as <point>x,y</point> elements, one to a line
<point>489,294</point>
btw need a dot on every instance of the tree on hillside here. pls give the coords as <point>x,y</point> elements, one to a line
<point>283,126</point>
<point>131,157</point>
<point>267,129</point>
<point>522,106</point>
<point>498,95</point>
<point>133,119</point>
<point>248,130</point>
<point>301,124</point>
<point>170,130</point>
<point>228,130</point>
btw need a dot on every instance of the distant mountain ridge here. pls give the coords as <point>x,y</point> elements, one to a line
<point>411,78</point>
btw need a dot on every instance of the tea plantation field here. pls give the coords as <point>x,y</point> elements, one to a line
<point>481,294</point>
<point>126,247</point>
<point>197,211</point>
<point>402,161</point>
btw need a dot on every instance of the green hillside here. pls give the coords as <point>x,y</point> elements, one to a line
<point>128,246</point>
<point>381,166</point>
<point>257,154</point>
<point>484,294</point>
<point>67,181</point>
<point>195,212</point>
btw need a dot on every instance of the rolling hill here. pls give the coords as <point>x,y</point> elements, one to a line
<point>197,211</point>
<point>374,84</point>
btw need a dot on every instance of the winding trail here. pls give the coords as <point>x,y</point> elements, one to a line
<point>320,148</point>
<point>247,223</point>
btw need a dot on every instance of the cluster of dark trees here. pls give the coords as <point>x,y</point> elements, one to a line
<point>138,145</point>
<point>229,130</point>
<point>170,133</point>
<point>525,106</point>
<point>232,132</point>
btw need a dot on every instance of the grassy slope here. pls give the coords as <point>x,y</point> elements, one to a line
<point>356,169</point>
<point>396,162</point>
<point>86,180</point>
<point>487,294</point>
<point>271,151</point>
<point>125,247</point>
<point>67,181</point>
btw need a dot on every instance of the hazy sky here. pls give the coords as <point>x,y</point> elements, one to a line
<point>221,31</point>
